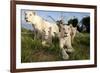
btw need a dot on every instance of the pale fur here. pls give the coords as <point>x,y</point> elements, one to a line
<point>41,24</point>
<point>65,40</point>
<point>73,32</point>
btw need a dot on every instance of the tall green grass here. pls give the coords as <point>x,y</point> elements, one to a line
<point>33,51</point>
<point>81,45</point>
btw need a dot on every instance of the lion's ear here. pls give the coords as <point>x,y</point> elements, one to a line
<point>34,13</point>
<point>25,12</point>
<point>71,25</point>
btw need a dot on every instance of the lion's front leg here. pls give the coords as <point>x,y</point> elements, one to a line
<point>63,51</point>
<point>69,48</point>
<point>64,54</point>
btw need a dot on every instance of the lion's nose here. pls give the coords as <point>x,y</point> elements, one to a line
<point>66,33</point>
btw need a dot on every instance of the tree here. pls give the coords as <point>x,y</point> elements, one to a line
<point>70,21</point>
<point>86,22</point>
<point>74,22</point>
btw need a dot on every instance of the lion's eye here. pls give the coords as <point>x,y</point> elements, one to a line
<point>30,14</point>
<point>63,28</point>
<point>68,28</point>
<point>25,14</point>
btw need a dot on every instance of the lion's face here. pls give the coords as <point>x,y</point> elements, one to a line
<point>66,30</point>
<point>29,15</point>
<point>47,32</point>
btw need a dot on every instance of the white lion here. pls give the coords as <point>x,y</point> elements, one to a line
<point>73,32</point>
<point>65,41</point>
<point>40,24</point>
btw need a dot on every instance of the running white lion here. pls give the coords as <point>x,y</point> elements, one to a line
<point>65,41</point>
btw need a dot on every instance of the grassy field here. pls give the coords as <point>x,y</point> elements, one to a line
<point>33,51</point>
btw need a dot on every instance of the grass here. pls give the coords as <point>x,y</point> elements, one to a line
<point>33,51</point>
<point>81,45</point>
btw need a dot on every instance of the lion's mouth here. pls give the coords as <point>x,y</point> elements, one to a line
<point>65,35</point>
<point>46,37</point>
<point>26,20</point>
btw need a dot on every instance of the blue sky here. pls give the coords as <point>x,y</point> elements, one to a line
<point>54,14</point>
